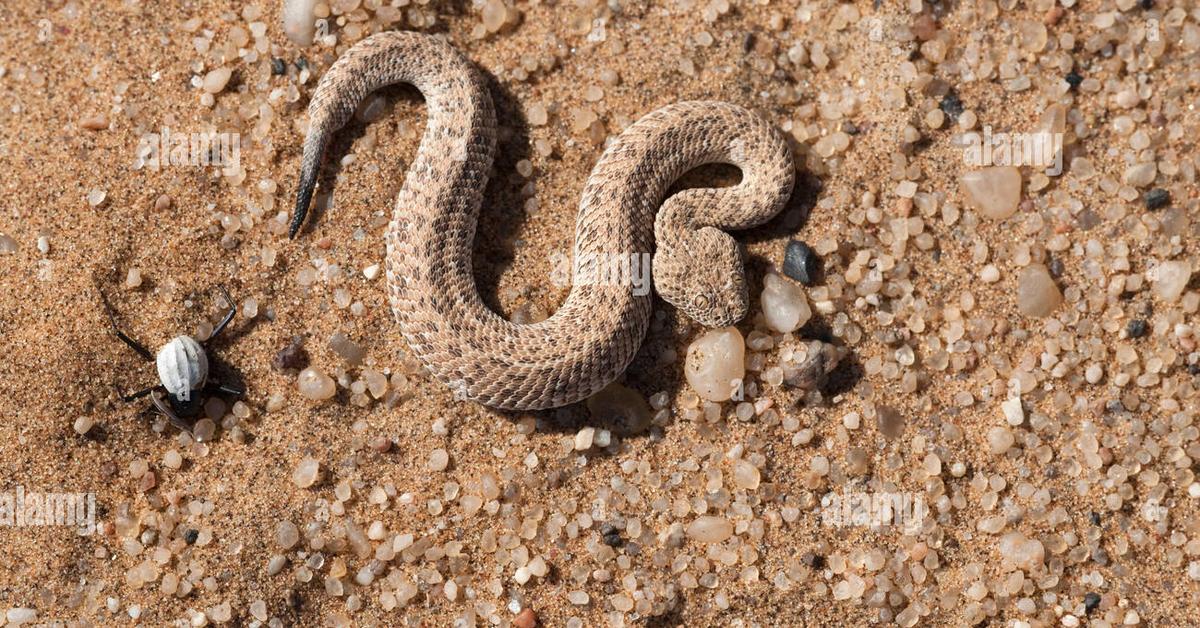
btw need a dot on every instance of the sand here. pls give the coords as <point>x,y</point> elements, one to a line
<point>135,62</point>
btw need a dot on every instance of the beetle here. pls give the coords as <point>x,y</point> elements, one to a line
<point>182,371</point>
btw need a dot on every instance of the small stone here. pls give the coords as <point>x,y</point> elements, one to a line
<point>216,80</point>
<point>191,535</point>
<point>1140,175</point>
<point>1171,279</point>
<point>1090,601</point>
<point>889,421</point>
<point>291,358</point>
<point>1136,328</point>
<point>307,472</point>
<point>286,534</point>
<point>1073,79</point>
<point>439,459</point>
<point>583,438</point>
<point>315,384</point>
<point>278,66</point>
<point>1157,198</point>
<point>525,619</point>
<point>133,279</point>
<point>371,272</point>
<point>96,197</point>
<point>621,408</point>
<point>17,616</point>
<point>349,350</point>
<point>745,475</point>
<point>709,529</point>
<point>1000,440</point>
<point>163,202</point>
<point>800,262</point>
<point>716,364</point>
<point>83,425</point>
<point>1037,294</point>
<point>1014,414</point>
<point>97,122</point>
<point>952,105</point>
<point>784,305</point>
<point>7,244</point>
<point>995,192</point>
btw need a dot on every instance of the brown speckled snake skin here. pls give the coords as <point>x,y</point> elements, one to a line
<point>590,340</point>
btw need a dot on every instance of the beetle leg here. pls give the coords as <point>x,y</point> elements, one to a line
<point>137,395</point>
<point>133,344</point>
<point>223,389</point>
<point>228,315</point>
<point>164,408</point>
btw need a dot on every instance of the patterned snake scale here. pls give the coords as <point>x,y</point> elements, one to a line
<point>596,332</point>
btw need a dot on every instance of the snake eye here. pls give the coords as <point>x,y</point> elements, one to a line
<point>700,301</point>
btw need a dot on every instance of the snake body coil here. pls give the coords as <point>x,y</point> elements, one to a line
<point>592,338</point>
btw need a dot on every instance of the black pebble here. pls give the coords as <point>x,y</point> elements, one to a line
<point>1055,267</point>
<point>278,67</point>
<point>191,535</point>
<point>1091,601</point>
<point>1136,328</point>
<point>1147,4</point>
<point>1194,369</point>
<point>613,540</point>
<point>1157,198</point>
<point>800,262</point>
<point>812,561</point>
<point>1074,79</point>
<point>292,357</point>
<point>952,105</point>
<point>1094,517</point>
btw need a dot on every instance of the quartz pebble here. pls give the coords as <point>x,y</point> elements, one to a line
<point>215,81</point>
<point>709,529</point>
<point>1037,294</point>
<point>715,364</point>
<point>785,308</point>
<point>307,472</point>
<point>1171,279</point>
<point>286,535</point>
<point>315,384</point>
<point>7,244</point>
<point>83,425</point>
<point>995,192</point>
<point>299,21</point>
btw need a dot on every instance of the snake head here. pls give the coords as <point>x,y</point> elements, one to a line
<point>703,276</point>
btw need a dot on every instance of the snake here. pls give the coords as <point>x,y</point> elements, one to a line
<point>627,212</point>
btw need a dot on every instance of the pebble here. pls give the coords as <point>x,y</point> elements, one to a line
<point>286,534</point>
<point>163,202</point>
<point>307,472</point>
<point>349,350</point>
<point>622,408</point>
<point>1157,198</point>
<point>1037,294</point>
<point>889,421</point>
<point>439,459</point>
<point>800,262</point>
<point>1136,328</point>
<point>216,80</point>
<point>97,122</point>
<point>1171,279</point>
<point>299,21</point>
<point>1021,552</point>
<point>525,619</point>
<point>293,357</point>
<point>1000,440</point>
<point>785,308</point>
<point>1140,175</point>
<point>716,364</point>
<point>96,197</point>
<point>83,425</point>
<point>709,529</point>
<point>17,616</point>
<point>1014,414</point>
<point>995,192</point>
<point>315,384</point>
<point>7,244</point>
<point>133,279</point>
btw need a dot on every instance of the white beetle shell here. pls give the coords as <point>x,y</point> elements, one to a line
<point>182,366</point>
